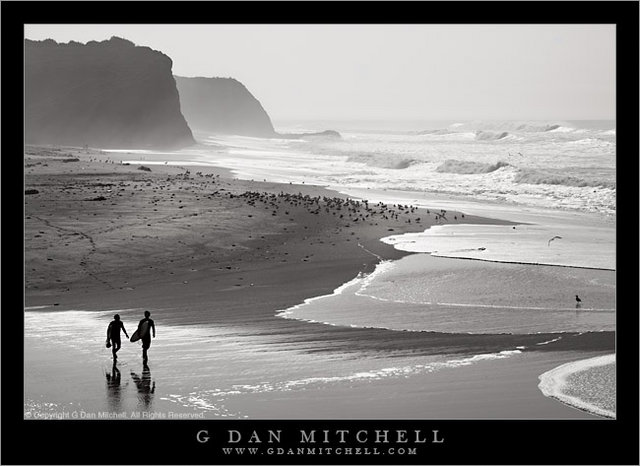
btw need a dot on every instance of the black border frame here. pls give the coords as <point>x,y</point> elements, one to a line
<point>467,442</point>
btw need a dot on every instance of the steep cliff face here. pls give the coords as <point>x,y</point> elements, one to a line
<point>104,94</point>
<point>223,106</point>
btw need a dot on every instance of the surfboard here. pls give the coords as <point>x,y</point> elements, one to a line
<point>141,332</point>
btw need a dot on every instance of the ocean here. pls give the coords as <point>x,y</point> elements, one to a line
<point>509,288</point>
<point>566,165</point>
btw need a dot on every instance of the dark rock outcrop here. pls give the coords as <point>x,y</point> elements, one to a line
<point>222,106</point>
<point>102,94</point>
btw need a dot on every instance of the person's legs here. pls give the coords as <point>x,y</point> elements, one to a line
<point>145,346</point>
<point>115,346</point>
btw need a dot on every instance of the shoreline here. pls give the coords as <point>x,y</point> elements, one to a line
<point>102,235</point>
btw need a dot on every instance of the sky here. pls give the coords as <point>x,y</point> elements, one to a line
<point>387,72</point>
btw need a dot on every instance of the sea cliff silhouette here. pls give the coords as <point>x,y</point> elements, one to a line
<point>226,106</point>
<point>222,106</point>
<point>105,94</point>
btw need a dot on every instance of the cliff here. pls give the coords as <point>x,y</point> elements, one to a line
<point>104,94</point>
<point>223,106</point>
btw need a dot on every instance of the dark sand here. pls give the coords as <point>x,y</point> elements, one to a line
<point>199,247</point>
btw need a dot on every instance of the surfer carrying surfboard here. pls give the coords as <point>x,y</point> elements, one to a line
<point>113,335</point>
<point>143,333</point>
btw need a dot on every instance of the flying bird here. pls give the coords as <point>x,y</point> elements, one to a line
<point>555,237</point>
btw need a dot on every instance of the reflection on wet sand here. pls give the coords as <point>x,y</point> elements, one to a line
<point>146,387</point>
<point>114,388</point>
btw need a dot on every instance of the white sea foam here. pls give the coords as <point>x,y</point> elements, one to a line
<point>577,247</point>
<point>529,176</point>
<point>553,340</point>
<point>555,384</point>
<point>354,283</point>
<point>562,129</point>
<point>212,399</point>
<point>588,240</point>
<point>545,160</point>
<point>468,168</point>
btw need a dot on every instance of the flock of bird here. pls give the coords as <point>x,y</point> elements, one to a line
<point>347,209</point>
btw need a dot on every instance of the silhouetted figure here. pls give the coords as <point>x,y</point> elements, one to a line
<point>146,339</point>
<point>113,335</point>
<point>578,301</point>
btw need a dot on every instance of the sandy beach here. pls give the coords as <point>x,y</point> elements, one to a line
<point>214,258</point>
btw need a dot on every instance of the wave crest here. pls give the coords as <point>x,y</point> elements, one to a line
<point>537,177</point>
<point>434,131</point>
<point>383,161</point>
<point>490,135</point>
<point>469,168</point>
<point>513,126</point>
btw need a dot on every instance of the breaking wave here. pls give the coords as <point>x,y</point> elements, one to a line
<point>469,168</point>
<point>490,136</point>
<point>592,142</point>
<point>434,131</point>
<point>383,161</point>
<point>559,129</point>
<point>514,126</point>
<point>526,176</point>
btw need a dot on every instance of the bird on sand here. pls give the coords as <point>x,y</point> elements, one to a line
<point>555,237</point>
<point>578,301</point>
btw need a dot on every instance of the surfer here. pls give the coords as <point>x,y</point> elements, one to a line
<point>143,329</point>
<point>113,335</point>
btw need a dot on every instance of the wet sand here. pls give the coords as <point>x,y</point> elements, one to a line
<point>201,249</point>
<point>493,389</point>
<point>202,373</point>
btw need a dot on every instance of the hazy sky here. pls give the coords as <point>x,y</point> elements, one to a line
<point>391,71</point>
